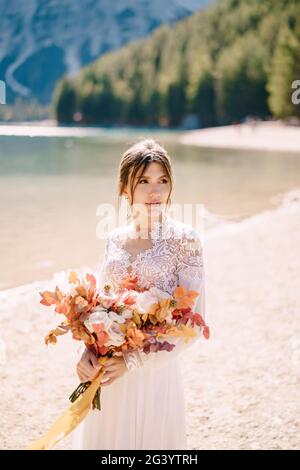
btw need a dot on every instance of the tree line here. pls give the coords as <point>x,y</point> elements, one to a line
<point>233,59</point>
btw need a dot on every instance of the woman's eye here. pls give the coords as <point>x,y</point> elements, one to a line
<point>145,181</point>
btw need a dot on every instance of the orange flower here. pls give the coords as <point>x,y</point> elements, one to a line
<point>130,283</point>
<point>158,311</point>
<point>184,297</point>
<point>80,332</point>
<point>135,336</point>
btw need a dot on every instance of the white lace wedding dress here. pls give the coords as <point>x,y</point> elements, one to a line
<point>144,408</point>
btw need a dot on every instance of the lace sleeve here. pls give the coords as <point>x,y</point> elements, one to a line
<point>102,273</point>
<point>190,272</point>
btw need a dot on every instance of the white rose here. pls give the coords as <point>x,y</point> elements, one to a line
<point>115,317</point>
<point>99,315</point>
<point>144,301</point>
<point>127,314</point>
<point>116,337</point>
<point>107,300</point>
<point>150,297</point>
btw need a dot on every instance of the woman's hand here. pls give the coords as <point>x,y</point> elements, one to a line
<point>88,366</point>
<point>114,367</point>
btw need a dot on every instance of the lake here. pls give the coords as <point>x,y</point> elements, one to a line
<point>51,186</point>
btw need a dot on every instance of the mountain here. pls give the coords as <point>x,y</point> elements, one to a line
<point>235,59</point>
<point>42,40</point>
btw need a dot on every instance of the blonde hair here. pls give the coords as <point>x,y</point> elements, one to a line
<point>140,155</point>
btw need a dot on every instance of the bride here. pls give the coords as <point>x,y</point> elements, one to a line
<point>142,399</point>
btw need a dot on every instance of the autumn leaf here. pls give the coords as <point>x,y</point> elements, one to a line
<point>198,320</point>
<point>91,279</point>
<point>81,290</point>
<point>163,310</point>
<point>152,345</point>
<point>188,315</point>
<point>145,317</point>
<point>62,307</point>
<point>48,298</point>
<point>73,278</point>
<point>90,294</point>
<point>80,332</point>
<point>206,332</point>
<point>135,336</point>
<point>136,318</point>
<point>61,329</point>
<point>185,297</point>
<point>50,338</point>
<point>185,331</point>
<point>58,294</point>
<point>152,313</point>
<point>123,328</point>
<point>80,302</point>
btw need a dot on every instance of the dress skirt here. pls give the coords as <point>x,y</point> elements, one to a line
<point>141,410</point>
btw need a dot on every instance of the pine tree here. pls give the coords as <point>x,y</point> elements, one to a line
<point>285,69</point>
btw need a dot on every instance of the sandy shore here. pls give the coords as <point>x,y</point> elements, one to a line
<point>241,386</point>
<point>273,136</point>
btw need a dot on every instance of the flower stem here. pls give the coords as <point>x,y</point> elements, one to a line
<point>81,389</point>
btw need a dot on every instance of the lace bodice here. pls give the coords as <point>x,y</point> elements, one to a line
<point>174,258</point>
<point>176,247</point>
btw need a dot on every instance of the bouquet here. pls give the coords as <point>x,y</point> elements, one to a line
<point>112,321</point>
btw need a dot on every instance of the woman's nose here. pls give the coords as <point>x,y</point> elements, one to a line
<point>154,189</point>
<point>154,194</point>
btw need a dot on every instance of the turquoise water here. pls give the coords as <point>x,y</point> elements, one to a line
<point>50,188</point>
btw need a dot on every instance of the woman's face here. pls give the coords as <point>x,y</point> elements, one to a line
<point>152,189</point>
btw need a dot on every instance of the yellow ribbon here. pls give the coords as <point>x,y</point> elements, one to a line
<point>71,418</point>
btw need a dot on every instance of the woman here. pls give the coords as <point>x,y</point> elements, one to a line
<point>142,401</point>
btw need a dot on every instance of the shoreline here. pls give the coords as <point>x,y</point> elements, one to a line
<point>273,136</point>
<point>53,129</point>
<point>269,136</point>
